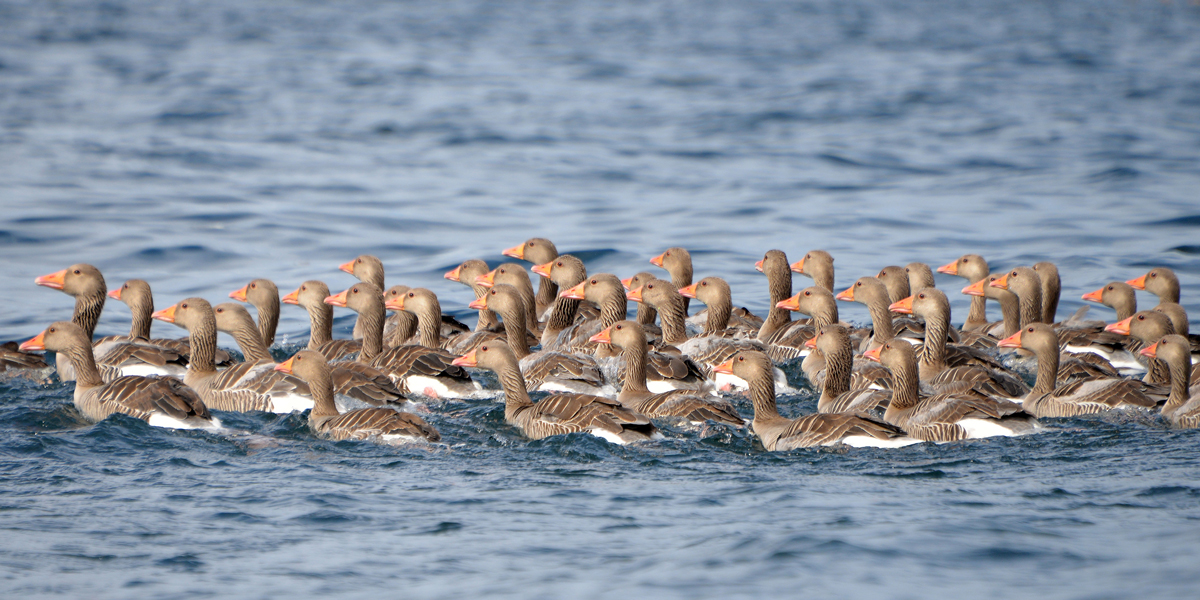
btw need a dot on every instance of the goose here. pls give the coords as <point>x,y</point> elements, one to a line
<point>1147,327</point>
<point>779,433</point>
<point>943,417</point>
<point>1179,322</point>
<point>114,356</point>
<point>263,295</point>
<point>382,424</point>
<point>1183,405</point>
<point>871,292</point>
<point>423,303</point>
<point>351,380</point>
<point>837,395</point>
<point>896,281</point>
<point>136,294</point>
<point>311,296</point>
<point>721,339</point>
<point>514,275</point>
<point>1159,281</point>
<point>687,404</point>
<point>920,276</point>
<point>1051,288</point>
<point>774,265</point>
<point>557,414</point>
<point>545,370</point>
<point>369,269</point>
<point>645,313</point>
<point>566,271</point>
<point>817,264</point>
<point>820,304</point>
<point>1009,307</point>
<point>538,251</point>
<point>160,401</point>
<point>414,367</point>
<point>467,274</point>
<point>973,268</point>
<point>1082,397</point>
<point>678,262</point>
<point>1118,296</point>
<point>242,387</point>
<point>720,318</point>
<point>12,357</point>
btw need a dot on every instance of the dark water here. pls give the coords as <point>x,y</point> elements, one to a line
<point>200,144</point>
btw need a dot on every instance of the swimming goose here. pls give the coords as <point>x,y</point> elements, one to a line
<point>515,275</point>
<point>896,281</point>
<point>538,251</point>
<point>115,356</point>
<point>160,401</point>
<point>1118,296</point>
<point>1179,321</point>
<point>645,313</point>
<point>920,276</point>
<point>311,296</point>
<point>241,387</point>
<point>263,295</point>
<point>1147,327</point>
<point>871,292</point>
<point>817,264</point>
<point>1051,288</point>
<point>779,433</point>
<point>136,294</point>
<point>467,274</point>
<point>565,272</point>
<point>368,268</point>
<point>1083,397</point>
<point>383,424</point>
<point>687,404</point>
<point>414,367</point>
<point>606,292</point>
<point>678,262</point>
<point>837,395</point>
<point>819,303</point>
<point>557,414</point>
<point>774,265</point>
<point>400,325</point>
<point>719,316</point>
<point>943,417</point>
<point>424,304</point>
<point>350,379</point>
<point>12,357</point>
<point>1183,405</point>
<point>1159,281</point>
<point>546,370</point>
<point>973,268</point>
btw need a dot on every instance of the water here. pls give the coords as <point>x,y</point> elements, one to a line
<point>199,145</point>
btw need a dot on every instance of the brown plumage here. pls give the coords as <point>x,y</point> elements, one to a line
<point>538,251</point>
<point>837,394</point>
<point>1183,406</point>
<point>817,264</point>
<point>263,295</point>
<point>973,268</point>
<point>311,296</point>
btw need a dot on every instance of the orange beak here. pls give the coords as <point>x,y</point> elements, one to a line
<point>1094,296</point>
<point>792,303</point>
<point>725,367</point>
<point>689,291</point>
<point>57,279</point>
<point>847,294</point>
<point>543,270</point>
<point>626,282</point>
<point>292,298</point>
<point>395,303</point>
<point>468,359</point>
<point>517,252</point>
<point>1137,284</point>
<point>240,294</point>
<point>635,295</point>
<point>337,299</point>
<point>1001,283</point>
<point>758,266</point>
<point>36,343</point>
<point>949,269</point>
<point>487,279</point>
<point>657,260</point>
<point>574,293</point>
<point>798,266</point>
<point>811,342</point>
<point>285,366</point>
<point>975,289</point>
<point>452,274</point>
<point>167,314</point>
<point>1152,351</point>
<point>604,337</point>
<point>873,354</point>
<point>115,294</point>
<point>347,267</point>
<point>478,303</point>
<point>903,307</point>
<point>1121,327</point>
<point>1012,341</point>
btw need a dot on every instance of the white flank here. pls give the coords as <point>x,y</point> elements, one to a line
<point>866,441</point>
<point>287,403</point>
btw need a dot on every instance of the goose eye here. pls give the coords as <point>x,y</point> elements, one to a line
<point>620,327</point>
<point>483,348</point>
<point>254,286</point>
<point>184,305</point>
<point>76,271</point>
<point>220,310</point>
<point>1152,274</point>
<point>703,283</point>
<point>807,293</point>
<point>558,264</point>
<point>921,296</point>
<point>1030,330</point>
<point>359,260</point>
<point>125,287</point>
<point>51,330</point>
<point>593,282</point>
<point>303,287</point>
<point>666,253</point>
<point>859,284</point>
<point>741,358</point>
<point>355,290</point>
<point>1141,317</point>
<point>412,295</point>
<point>1110,288</point>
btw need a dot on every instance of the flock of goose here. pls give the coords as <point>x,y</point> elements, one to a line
<point>909,377</point>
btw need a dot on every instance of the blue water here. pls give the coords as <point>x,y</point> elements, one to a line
<point>198,145</point>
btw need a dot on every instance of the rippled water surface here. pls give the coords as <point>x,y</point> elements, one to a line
<point>198,145</point>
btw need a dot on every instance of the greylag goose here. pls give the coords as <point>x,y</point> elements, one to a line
<point>414,367</point>
<point>663,296</point>
<point>1179,322</point>
<point>468,274</point>
<point>1082,397</point>
<point>1051,288</point>
<point>1118,296</point>
<point>350,379</point>
<point>538,251</point>
<point>383,424</point>
<point>311,296</point>
<point>514,275</point>
<point>160,401</point>
<point>368,268</point>
<point>136,294</point>
<point>1159,281</point>
<point>678,262</point>
<point>12,357</point>
<point>114,356</point>
<point>943,417</point>
<point>779,433</point>
<point>557,414</point>
<point>920,276</point>
<point>817,264</point>
<point>424,304</point>
<point>687,404</point>
<point>871,292</point>
<point>1149,326</point>
<point>241,387</point>
<point>263,295</point>
<point>819,303</point>
<point>974,269</point>
<point>546,370</point>
<point>896,281</point>
<point>837,396</point>
<point>606,292</point>
<point>565,272</point>
<point>400,326</point>
<point>1183,405</point>
<point>645,313</point>
<point>720,318</point>
<point>774,265</point>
